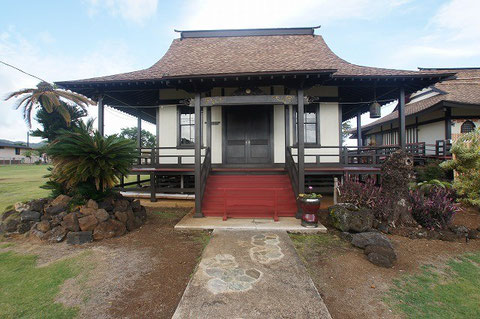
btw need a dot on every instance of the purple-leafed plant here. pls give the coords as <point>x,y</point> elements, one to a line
<point>433,209</point>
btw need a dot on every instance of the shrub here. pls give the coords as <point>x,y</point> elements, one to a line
<point>430,171</point>
<point>87,163</point>
<point>466,163</point>
<point>427,186</point>
<point>433,209</point>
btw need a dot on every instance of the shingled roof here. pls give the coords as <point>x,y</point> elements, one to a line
<point>464,89</point>
<point>239,53</point>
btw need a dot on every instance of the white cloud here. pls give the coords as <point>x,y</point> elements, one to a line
<point>452,34</point>
<point>136,11</point>
<point>215,14</point>
<point>15,49</point>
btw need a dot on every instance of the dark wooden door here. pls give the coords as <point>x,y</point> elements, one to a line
<point>248,135</point>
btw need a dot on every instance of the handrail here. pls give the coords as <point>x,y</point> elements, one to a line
<point>205,170</point>
<point>259,189</point>
<point>292,170</point>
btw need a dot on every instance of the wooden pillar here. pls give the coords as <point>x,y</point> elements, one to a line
<point>139,141</point>
<point>287,129</point>
<point>359,129</point>
<point>402,142</point>
<point>198,157</point>
<point>301,143</point>
<point>209,126</point>
<point>101,116</point>
<point>448,123</point>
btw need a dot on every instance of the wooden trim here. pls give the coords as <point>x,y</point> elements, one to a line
<point>301,143</point>
<point>198,157</point>
<point>448,123</point>
<point>401,119</point>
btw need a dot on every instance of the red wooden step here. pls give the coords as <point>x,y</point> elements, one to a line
<point>249,196</point>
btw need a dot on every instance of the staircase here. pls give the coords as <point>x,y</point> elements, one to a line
<point>249,196</point>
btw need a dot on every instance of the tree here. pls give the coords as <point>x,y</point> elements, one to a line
<point>346,127</point>
<point>53,122</point>
<point>130,133</point>
<point>28,154</point>
<point>466,164</point>
<point>82,158</point>
<point>48,97</point>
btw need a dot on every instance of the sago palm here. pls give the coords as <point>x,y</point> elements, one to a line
<point>48,97</point>
<point>85,157</point>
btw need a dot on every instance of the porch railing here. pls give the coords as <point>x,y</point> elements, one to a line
<point>205,170</point>
<point>165,155</point>
<point>292,170</point>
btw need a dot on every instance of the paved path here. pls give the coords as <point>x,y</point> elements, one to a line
<point>251,274</point>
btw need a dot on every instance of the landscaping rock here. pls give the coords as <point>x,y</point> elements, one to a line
<point>107,204</point>
<point>92,204</point>
<point>58,234</point>
<point>57,219</point>
<point>136,206</point>
<point>20,207</point>
<point>61,200</point>
<point>101,215</point>
<point>87,210</point>
<point>24,226</point>
<point>9,225</point>
<point>7,214</point>
<point>142,214</point>
<point>39,234</point>
<point>79,238</point>
<point>87,223</point>
<point>460,231</point>
<point>118,228</point>
<point>381,255</point>
<point>29,215</point>
<point>105,230</point>
<point>121,205</point>
<point>43,226</point>
<point>347,217</point>
<point>122,216</point>
<point>37,204</point>
<point>70,222</point>
<point>363,240</point>
<point>55,209</point>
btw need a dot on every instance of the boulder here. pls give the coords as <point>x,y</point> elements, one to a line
<point>61,199</point>
<point>43,226</point>
<point>101,215</point>
<point>70,222</point>
<point>58,205</point>
<point>381,255</point>
<point>107,204</point>
<point>40,235</point>
<point>57,234</point>
<point>29,215</point>
<point>87,223</point>
<point>121,205</point>
<point>473,234</point>
<point>9,226</point>
<point>24,226</point>
<point>57,219</point>
<point>20,207</point>
<point>142,214</point>
<point>460,231</point>
<point>362,240</point>
<point>7,214</point>
<point>105,230</point>
<point>136,206</point>
<point>347,217</point>
<point>79,238</point>
<point>122,216</point>
<point>91,204</point>
<point>119,228</point>
<point>87,210</point>
<point>38,204</point>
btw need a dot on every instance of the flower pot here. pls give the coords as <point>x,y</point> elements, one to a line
<point>310,208</point>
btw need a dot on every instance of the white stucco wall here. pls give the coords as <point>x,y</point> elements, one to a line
<point>430,133</point>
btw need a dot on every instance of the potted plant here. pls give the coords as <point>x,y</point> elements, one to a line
<point>310,204</point>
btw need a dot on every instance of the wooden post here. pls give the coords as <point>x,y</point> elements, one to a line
<point>198,157</point>
<point>153,190</point>
<point>101,115</point>
<point>448,123</point>
<point>401,119</point>
<point>301,146</point>
<point>287,129</point>
<point>335,190</point>
<point>359,129</point>
<point>139,141</point>
<point>209,126</point>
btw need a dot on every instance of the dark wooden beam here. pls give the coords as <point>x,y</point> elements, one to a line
<point>402,142</point>
<point>359,129</point>
<point>301,143</point>
<point>198,157</point>
<point>101,115</point>
<point>209,126</point>
<point>448,123</point>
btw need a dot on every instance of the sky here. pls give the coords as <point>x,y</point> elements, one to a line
<point>65,40</point>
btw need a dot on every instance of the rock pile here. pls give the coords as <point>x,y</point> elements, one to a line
<point>55,220</point>
<point>377,247</point>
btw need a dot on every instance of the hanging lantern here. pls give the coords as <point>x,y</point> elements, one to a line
<point>375,110</point>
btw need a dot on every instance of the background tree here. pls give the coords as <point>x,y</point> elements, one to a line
<point>28,154</point>
<point>130,133</point>
<point>48,97</point>
<point>53,122</point>
<point>346,126</point>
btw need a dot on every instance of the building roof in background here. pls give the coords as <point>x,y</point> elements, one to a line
<point>17,144</point>
<point>464,89</point>
<point>250,51</point>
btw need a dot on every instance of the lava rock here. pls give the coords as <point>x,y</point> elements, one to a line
<point>101,215</point>
<point>7,214</point>
<point>87,223</point>
<point>136,206</point>
<point>9,225</point>
<point>58,205</point>
<point>87,210</point>
<point>70,222</point>
<point>380,260</point>
<point>121,205</point>
<point>347,217</point>
<point>24,226</point>
<point>20,207</point>
<point>37,204</point>
<point>142,214</point>
<point>91,204</point>
<point>381,255</point>
<point>106,204</point>
<point>43,226</point>
<point>79,238</point>
<point>58,234</point>
<point>362,240</point>
<point>55,209</point>
<point>122,216</point>
<point>29,215</point>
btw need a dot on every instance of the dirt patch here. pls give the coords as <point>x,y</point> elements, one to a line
<point>142,274</point>
<point>352,287</point>
<point>468,216</point>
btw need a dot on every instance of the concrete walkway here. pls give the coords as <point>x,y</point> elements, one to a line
<point>251,274</point>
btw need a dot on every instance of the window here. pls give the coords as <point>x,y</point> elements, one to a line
<point>186,126</point>
<point>467,127</point>
<point>17,151</point>
<point>311,125</point>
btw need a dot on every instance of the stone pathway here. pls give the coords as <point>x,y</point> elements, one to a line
<point>251,274</point>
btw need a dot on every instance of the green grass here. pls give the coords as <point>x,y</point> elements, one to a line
<point>21,183</point>
<point>450,292</point>
<point>28,291</point>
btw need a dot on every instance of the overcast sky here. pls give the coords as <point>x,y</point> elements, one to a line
<point>65,40</point>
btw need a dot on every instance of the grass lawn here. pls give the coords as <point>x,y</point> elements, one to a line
<point>450,292</point>
<point>28,291</point>
<point>20,183</point>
